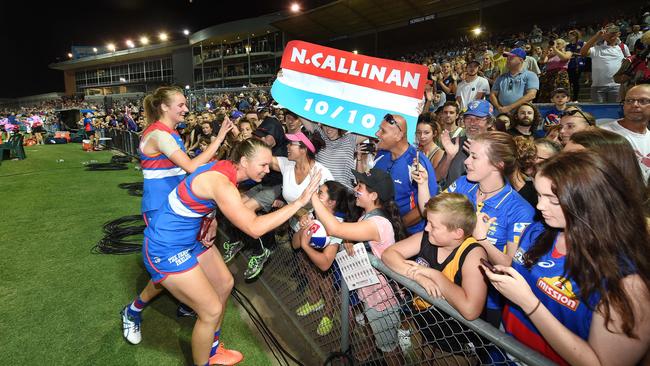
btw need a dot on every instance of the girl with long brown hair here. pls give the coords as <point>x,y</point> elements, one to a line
<point>579,283</point>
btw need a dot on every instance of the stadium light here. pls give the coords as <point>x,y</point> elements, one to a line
<point>95,49</point>
<point>162,36</point>
<point>111,47</point>
<point>129,43</point>
<point>477,31</point>
<point>144,40</point>
<point>295,7</point>
<point>186,32</point>
<point>355,52</point>
<point>187,87</point>
<point>123,80</point>
<point>69,55</point>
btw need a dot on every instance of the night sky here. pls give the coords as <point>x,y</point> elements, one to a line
<point>35,34</point>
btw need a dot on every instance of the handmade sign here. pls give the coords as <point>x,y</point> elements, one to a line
<point>348,91</point>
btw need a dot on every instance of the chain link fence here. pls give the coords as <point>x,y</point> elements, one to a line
<point>393,323</point>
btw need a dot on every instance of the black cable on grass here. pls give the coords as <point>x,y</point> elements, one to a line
<point>123,236</point>
<point>106,166</point>
<point>268,336</point>
<point>120,159</point>
<point>135,189</point>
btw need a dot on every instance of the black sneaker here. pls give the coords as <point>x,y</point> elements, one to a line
<point>185,311</point>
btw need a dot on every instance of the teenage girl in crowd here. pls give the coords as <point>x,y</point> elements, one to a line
<point>164,164</point>
<point>579,282</point>
<point>192,270</point>
<point>379,226</point>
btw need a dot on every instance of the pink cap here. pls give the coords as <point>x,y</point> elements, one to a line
<point>302,138</point>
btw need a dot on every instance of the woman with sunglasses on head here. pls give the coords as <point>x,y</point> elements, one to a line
<point>574,120</point>
<point>579,282</point>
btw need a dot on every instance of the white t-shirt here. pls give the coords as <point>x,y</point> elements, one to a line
<point>640,143</point>
<point>605,62</point>
<point>467,91</point>
<point>292,190</point>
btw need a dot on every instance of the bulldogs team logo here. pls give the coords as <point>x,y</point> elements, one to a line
<point>560,290</point>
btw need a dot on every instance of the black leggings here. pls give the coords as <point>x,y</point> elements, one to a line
<point>574,79</point>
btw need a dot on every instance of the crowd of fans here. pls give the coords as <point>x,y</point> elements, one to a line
<point>557,203</point>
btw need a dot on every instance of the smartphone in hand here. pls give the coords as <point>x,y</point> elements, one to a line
<point>489,266</point>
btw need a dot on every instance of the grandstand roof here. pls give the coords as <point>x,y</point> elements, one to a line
<point>128,54</point>
<point>344,18</point>
<point>229,32</point>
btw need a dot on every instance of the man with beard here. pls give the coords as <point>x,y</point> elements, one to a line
<point>473,87</point>
<point>525,121</point>
<point>478,119</point>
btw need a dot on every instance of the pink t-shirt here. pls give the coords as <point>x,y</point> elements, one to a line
<point>554,63</point>
<point>380,296</point>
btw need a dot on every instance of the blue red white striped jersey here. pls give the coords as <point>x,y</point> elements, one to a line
<point>559,294</point>
<point>161,175</point>
<point>178,221</point>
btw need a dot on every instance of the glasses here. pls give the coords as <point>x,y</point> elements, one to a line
<point>390,119</point>
<point>590,121</point>
<point>632,101</point>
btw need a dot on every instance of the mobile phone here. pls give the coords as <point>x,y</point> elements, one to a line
<point>489,265</point>
<point>368,147</point>
<point>417,161</point>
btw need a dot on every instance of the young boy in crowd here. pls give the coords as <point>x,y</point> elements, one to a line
<point>446,265</point>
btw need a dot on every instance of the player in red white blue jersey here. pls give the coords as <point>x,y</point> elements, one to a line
<point>180,261</point>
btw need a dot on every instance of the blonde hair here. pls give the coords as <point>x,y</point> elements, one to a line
<point>457,209</point>
<point>152,102</point>
<point>561,43</point>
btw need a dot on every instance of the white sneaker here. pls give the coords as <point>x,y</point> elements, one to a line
<point>130,327</point>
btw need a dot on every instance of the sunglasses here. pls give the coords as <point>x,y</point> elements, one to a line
<point>573,112</point>
<point>390,119</point>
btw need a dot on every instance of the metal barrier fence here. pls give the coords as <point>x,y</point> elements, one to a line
<point>122,140</point>
<point>385,327</point>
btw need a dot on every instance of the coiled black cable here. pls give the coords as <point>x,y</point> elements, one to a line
<point>106,166</point>
<point>122,236</point>
<point>120,159</point>
<point>134,189</point>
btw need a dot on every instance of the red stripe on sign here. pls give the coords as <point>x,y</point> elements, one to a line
<point>387,75</point>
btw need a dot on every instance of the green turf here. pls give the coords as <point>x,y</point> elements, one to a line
<point>60,304</point>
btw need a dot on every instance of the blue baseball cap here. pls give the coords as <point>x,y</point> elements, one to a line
<point>479,108</point>
<point>519,52</point>
<point>236,114</point>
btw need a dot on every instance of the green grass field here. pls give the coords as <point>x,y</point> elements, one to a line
<point>59,303</point>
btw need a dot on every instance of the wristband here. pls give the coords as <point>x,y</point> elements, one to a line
<point>539,302</point>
